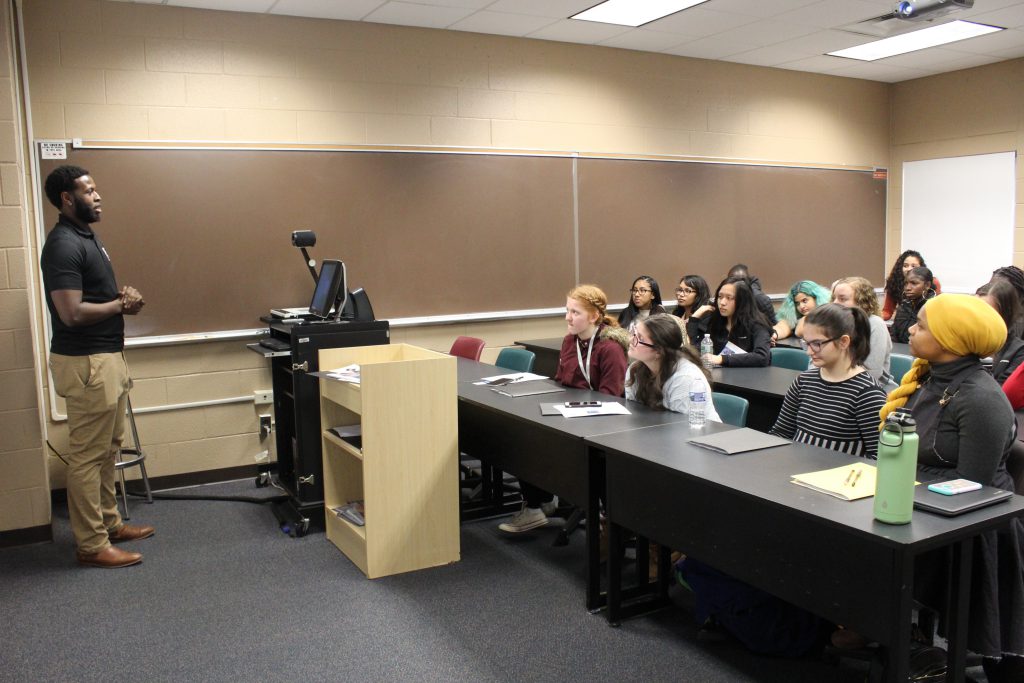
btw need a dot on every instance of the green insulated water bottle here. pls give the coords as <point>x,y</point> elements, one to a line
<point>897,469</point>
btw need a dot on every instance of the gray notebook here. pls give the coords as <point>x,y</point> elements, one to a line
<point>531,388</point>
<point>739,441</point>
<point>951,506</point>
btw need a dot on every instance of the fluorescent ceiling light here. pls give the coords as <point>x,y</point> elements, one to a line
<point>917,40</point>
<point>634,12</point>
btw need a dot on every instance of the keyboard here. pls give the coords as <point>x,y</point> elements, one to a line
<point>275,344</point>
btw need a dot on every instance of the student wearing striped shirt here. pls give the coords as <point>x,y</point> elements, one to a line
<point>835,404</point>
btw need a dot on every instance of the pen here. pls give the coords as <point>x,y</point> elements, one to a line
<point>856,478</point>
<point>849,477</point>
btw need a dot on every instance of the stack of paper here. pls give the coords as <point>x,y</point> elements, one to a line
<point>349,373</point>
<point>848,482</point>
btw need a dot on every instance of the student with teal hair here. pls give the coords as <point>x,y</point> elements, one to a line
<point>804,296</point>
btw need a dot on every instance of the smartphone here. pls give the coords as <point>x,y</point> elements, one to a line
<point>500,382</point>
<point>582,404</point>
<point>951,488</point>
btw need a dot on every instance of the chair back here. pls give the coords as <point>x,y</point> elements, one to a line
<point>899,365</point>
<point>794,359</point>
<point>515,359</point>
<point>732,409</point>
<point>467,347</point>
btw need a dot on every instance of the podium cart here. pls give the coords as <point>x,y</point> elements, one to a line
<point>299,469</point>
<point>391,446</point>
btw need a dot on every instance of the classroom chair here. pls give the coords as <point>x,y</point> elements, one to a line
<point>899,365</point>
<point>794,359</point>
<point>516,359</point>
<point>467,347</point>
<point>132,456</point>
<point>732,409</point>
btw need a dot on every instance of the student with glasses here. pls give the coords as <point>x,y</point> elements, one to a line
<point>804,296</point>
<point>644,300</point>
<point>665,367</point>
<point>834,404</point>
<point>965,430</point>
<point>593,356</point>
<point>694,307</point>
<point>736,320</point>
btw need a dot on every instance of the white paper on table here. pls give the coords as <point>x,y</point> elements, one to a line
<point>732,350</point>
<point>587,411</point>
<point>514,378</point>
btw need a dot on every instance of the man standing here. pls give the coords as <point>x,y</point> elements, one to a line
<point>87,363</point>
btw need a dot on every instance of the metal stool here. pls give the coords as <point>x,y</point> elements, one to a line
<point>132,456</point>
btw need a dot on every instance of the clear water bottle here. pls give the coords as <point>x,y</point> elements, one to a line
<point>706,349</point>
<point>698,403</point>
<point>897,469</point>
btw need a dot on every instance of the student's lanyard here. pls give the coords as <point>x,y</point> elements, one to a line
<point>585,369</point>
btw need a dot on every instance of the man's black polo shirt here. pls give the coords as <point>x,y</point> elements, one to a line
<point>74,258</point>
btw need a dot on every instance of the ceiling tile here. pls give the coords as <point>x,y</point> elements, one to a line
<point>993,42</point>
<point>229,5</point>
<point>502,23</point>
<point>772,55</point>
<point>352,10</point>
<point>880,72</point>
<point>640,39</point>
<point>759,8</point>
<point>556,9</point>
<point>409,14</point>
<point>822,64</point>
<point>765,32</point>
<point>1009,17</point>
<point>833,13</point>
<point>466,4</point>
<point>709,48</point>
<point>698,21</point>
<point>575,31</point>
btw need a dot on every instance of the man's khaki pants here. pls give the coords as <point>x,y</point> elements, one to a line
<point>95,389</point>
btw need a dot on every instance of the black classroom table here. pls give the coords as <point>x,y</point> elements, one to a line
<point>741,515</point>
<point>763,387</point>
<point>547,451</point>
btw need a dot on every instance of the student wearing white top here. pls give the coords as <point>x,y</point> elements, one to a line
<point>664,367</point>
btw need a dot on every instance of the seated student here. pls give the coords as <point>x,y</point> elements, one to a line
<point>764,302</point>
<point>1015,277</point>
<point>896,281</point>
<point>694,307</point>
<point>644,299</point>
<point>737,320</point>
<point>835,404</point>
<point>966,429</point>
<point>593,356</point>
<point>919,287</point>
<point>1001,295</point>
<point>665,367</point>
<point>804,296</point>
<point>858,292</point>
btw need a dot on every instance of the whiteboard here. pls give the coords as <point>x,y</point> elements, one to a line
<point>958,212</point>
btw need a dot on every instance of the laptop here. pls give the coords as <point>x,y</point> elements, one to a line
<point>951,506</point>
<point>531,388</point>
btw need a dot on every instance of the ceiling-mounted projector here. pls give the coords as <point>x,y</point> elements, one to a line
<point>926,10</point>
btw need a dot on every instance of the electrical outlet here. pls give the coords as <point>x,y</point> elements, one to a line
<point>263,396</point>
<point>266,424</point>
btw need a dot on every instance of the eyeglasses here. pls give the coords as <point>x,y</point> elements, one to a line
<point>635,339</point>
<point>816,344</point>
<point>684,290</point>
<point>640,290</point>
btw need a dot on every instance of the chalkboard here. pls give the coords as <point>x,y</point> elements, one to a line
<point>669,219</point>
<point>204,234</point>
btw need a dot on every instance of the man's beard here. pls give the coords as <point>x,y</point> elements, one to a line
<point>85,213</point>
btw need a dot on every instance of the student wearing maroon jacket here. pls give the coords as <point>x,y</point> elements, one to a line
<point>593,356</point>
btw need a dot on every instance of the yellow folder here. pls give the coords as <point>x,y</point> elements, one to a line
<point>848,482</point>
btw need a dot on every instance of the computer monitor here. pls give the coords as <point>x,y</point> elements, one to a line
<point>329,282</point>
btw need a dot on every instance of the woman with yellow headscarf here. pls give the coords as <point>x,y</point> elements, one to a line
<point>965,430</point>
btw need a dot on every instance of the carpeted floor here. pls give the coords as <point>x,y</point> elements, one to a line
<point>223,595</point>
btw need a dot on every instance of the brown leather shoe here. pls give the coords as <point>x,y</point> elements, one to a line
<point>130,532</point>
<point>110,558</point>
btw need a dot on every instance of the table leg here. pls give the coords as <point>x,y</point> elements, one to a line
<point>958,610</point>
<point>897,668</point>
<point>615,536</point>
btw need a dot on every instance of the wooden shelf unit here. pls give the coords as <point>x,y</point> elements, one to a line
<point>406,473</point>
